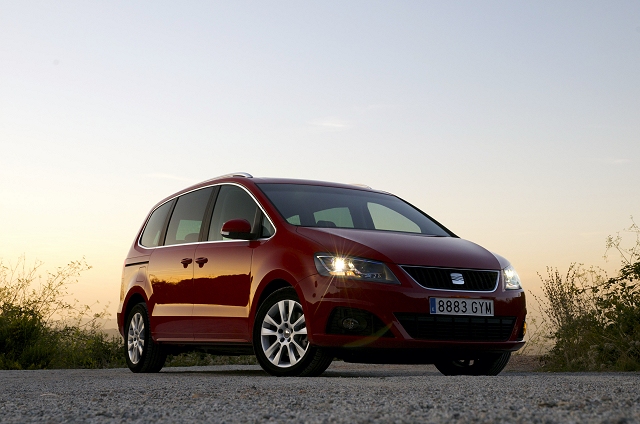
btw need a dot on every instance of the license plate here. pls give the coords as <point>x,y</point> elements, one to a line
<point>454,306</point>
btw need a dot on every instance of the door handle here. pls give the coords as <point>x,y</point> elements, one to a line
<point>202,261</point>
<point>186,261</point>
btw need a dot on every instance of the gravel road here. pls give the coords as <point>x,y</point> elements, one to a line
<point>344,393</point>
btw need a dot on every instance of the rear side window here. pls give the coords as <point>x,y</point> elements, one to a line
<point>186,220</point>
<point>232,203</point>
<point>151,235</point>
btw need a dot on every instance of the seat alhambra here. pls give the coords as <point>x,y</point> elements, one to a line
<point>301,272</point>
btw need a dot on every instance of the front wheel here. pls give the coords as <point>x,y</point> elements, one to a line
<point>140,351</point>
<point>487,364</point>
<point>280,338</point>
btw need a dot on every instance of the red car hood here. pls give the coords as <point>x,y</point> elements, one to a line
<point>403,248</point>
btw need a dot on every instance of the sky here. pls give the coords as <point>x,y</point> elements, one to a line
<point>515,124</point>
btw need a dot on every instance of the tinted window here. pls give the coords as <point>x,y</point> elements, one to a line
<point>294,219</point>
<point>151,235</point>
<point>186,220</point>
<point>385,218</point>
<point>334,217</point>
<point>332,207</point>
<point>232,203</point>
<point>267,228</point>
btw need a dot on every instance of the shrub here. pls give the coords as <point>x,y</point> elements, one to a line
<point>25,340</point>
<point>593,320</point>
<point>40,328</point>
<point>87,348</point>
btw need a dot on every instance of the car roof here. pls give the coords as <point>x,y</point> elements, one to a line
<point>247,180</point>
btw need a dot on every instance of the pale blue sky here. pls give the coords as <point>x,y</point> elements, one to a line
<point>517,125</point>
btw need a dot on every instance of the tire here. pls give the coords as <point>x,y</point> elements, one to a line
<point>140,351</point>
<point>488,364</point>
<point>280,338</point>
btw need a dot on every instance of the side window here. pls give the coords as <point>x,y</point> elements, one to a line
<point>151,234</point>
<point>390,220</point>
<point>267,228</point>
<point>232,203</point>
<point>334,217</point>
<point>186,220</point>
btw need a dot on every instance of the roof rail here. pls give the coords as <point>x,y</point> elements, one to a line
<point>233,174</point>
<point>236,174</point>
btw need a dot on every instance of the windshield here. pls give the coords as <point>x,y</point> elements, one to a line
<point>332,207</point>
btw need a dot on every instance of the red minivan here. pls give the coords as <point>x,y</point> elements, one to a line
<point>300,272</point>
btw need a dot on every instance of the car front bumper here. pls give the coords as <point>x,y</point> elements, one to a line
<point>388,302</point>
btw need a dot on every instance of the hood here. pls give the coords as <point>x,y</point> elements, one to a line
<point>403,248</point>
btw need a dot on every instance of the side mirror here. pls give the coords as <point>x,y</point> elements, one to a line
<point>237,229</point>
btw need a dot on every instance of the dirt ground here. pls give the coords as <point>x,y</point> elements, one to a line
<point>523,363</point>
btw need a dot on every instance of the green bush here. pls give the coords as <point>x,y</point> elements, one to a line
<point>25,340</point>
<point>87,348</point>
<point>593,320</point>
<point>40,328</point>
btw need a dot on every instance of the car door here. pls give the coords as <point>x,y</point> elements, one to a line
<point>171,269</point>
<point>222,276</point>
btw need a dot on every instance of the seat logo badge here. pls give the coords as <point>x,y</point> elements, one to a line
<point>457,278</point>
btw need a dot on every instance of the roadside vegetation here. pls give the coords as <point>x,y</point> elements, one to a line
<point>41,328</point>
<point>591,321</point>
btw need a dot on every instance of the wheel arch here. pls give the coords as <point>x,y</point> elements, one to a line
<point>133,299</point>
<point>269,286</point>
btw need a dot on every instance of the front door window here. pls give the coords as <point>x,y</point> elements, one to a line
<point>232,203</point>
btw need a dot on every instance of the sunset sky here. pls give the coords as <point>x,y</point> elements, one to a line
<point>515,124</point>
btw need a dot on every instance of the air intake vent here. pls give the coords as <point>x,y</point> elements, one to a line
<point>461,328</point>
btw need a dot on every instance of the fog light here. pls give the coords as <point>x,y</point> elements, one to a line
<point>350,323</point>
<point>355,322</point>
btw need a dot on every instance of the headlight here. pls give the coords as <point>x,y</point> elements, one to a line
<point>511,278</point>
<point>353,268</point>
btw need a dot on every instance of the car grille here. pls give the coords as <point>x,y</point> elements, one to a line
<point>449,327</point>
<point>441,278</point>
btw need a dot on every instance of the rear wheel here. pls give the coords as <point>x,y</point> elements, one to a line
<point>487,364</point>
<point>280,338</point>
<point>140,351</point>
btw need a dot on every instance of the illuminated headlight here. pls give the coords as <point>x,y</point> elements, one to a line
<point>353,268</point>
<point>511,279</point>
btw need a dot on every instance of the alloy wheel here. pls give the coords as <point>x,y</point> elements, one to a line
<point>283,334</point>
<point>135,338</point>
